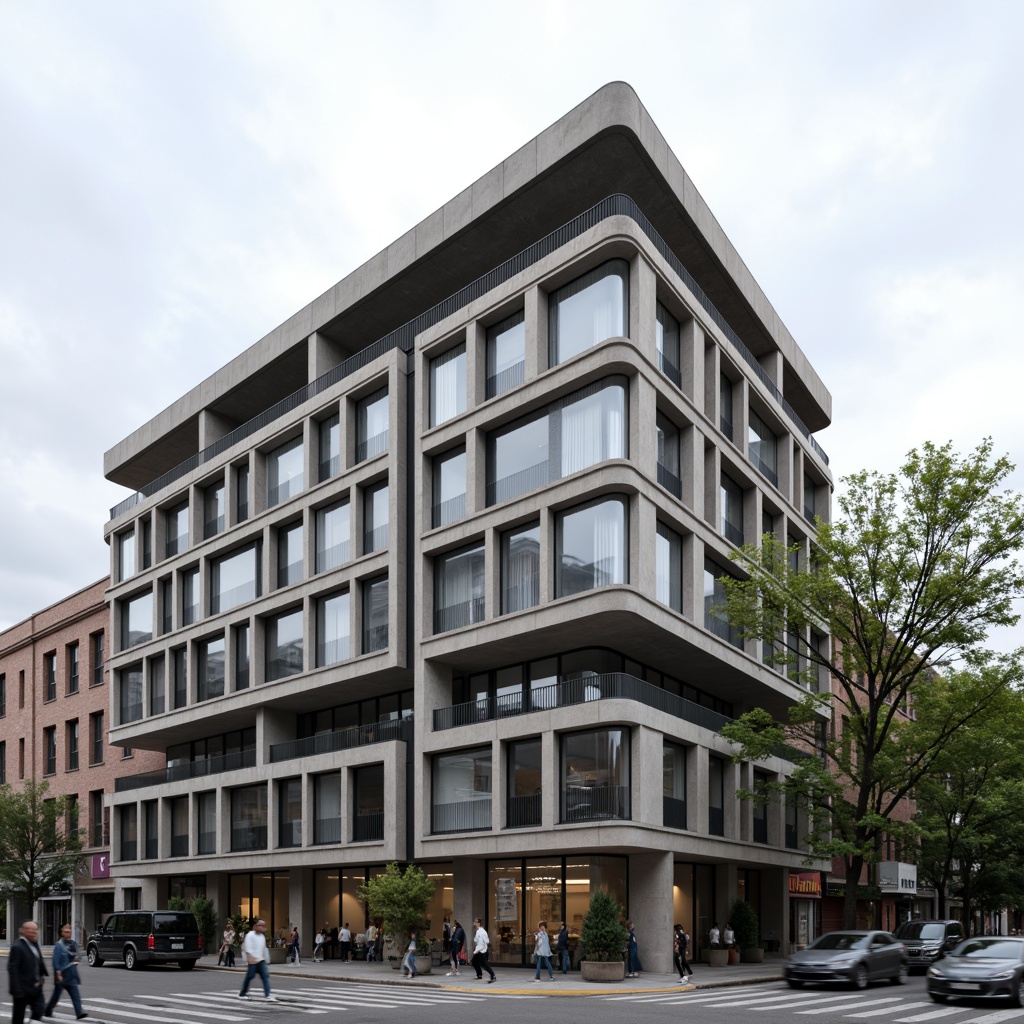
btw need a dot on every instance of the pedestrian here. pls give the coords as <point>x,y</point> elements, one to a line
<point>257,956</point>
<point>632,953</point>
<point>345,937</point>
<point>318,947</point>
<point>714,936</point>
<point>371,942</point>
<point>481,943</point>
<point>226,956</point>
<point>446,935</point>
<point>26,970</point>
<point>409,963</point>
<point>562,946</point>
<point>729,936</point>
<point>542,950</point>
<point>65,973</point>
<point>293,946</point>
<point>333,943</point>
<point>680,942</point>
<point>458,944</point>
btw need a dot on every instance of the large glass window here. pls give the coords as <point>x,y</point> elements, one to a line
<point>289,801</point>
<point>242,493</point>
<point>284,645</point>
<point>589,310</point>
<point>593,427</point>
<point>330,447</point>
<point>714,598</point>
<point>506,354</point>
<point>157,686</point>
<point>137,620</point>
<point>763,448</point>
<point>130,694</point>
<point>126,555</point>
<point>517,460</point>
<point>524,784</point>
<point>147,542</point>
<point>206,822</point>
<point>176,526</point>
<point>129,816</point>
<point>667,440</point>
<point>375,518</point>
<point>368,803</point>
<point>249,819</point>
<point>213,509</point>
<point>189,597</point>
<point>448,385</point>
<point>179,664</point>
<point>449,487</point>
<point>673,785</point>
<point>289,554</point>
<point>375,615</point>
<point>520,568</point>
<point>284,472</point>
<point>179,827</point>
<point>716,796</point>
<point>50,750</point>
<point>461,791</point>
<point>725,405</point>
<point>668,567</point>
<point>333,531</point>
<point>591,546</point>
<point>760,808</point>
<point>72,653</point>
<point>459,588</point>
<point>327,808</point>
<point>595,775</point>
<point>211,668</point>
<point>809,491</point>
<point>332,629</point>
<point>241,634</point>
<point>372,426</point>
<point>732,510</point>
<point>235,579</point>
<point>666,341</point>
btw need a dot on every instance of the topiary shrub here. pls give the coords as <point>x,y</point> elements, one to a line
<point>744,924</point>
<point>603,934</point>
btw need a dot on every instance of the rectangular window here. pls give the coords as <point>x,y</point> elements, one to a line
<point>589,310</point>
<point>213,509</point>
<point>166,605</point>
<point>668,567</point>
<point>761,808</point>
<point>176,526</point>
<point>97,833</point>
<point>206,822</point>
<point>249,819</point>
<point>211,668</point>
<point>375,615</point>
<point>71,744</point>
<point>241,634</point>
<point>147,542</point>
<point>97,738</point>
<point>673,785</point>
<point>449,488</point>
<point>716,796</point>
<point>72,671</point>
<point>591,546</point>
<point>524,784</point>
<point>129,832</point>
<point>50,750</point>
<point>809,509</point>
<point>375,518</point>
<point>791,838</point>
<point>50,675</point>
<point>3,695</point>
<point>595,775</point>
<point>330,447</point>
<point>714,602</point>
<point>71,812</point>
<point>130,694</point>
<point>763,448</point>
<point>333,534</point>
<point>520,568</point>
<point>368,804</point>
<point>126,555</point>
<point>289,809</point>
<point>3,762</point>
<point>725,405</point>
<point>137,620</point>
<point>242,493</point>
<point>284,645</point>
<point>157,686</point>
<point>21,757</point>
<point>332,629</point>
<point>235,579</point>
<point>517,460</point>
<point>448,385</point>
<point>372,425</point>
<point>327,808</point>
<point>289,554</point>
<point>461,791</point>
<point>189,597</point>
<point>732,510</point>
<point>150,830</point>
<point>179,663</point>
<point>459,589</point>
<point>284,472</point>
<point>506,354</point>
<point>667,441</point>
<point>666,341</point>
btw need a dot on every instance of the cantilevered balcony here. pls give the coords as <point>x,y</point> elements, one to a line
<point>191,770</point>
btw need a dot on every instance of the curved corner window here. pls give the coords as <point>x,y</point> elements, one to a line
<point>591,546</point>
<point>589,310</point>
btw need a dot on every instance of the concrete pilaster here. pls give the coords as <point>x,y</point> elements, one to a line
<point>650,908</point>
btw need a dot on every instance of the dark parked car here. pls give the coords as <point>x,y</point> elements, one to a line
<point>987,966</point>
<point>856,957</point>
<point>146,936</point>
<point>928,941</point>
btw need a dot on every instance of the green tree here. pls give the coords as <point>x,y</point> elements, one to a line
<point>204,911</point>
<point>400,899</point>
<point>37,850</point>
<point>908,581</point>
<point>602,932</point>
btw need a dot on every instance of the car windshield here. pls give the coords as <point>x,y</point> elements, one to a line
<point>920,930</point>
<point>841,940</point>
<point>990,949</point>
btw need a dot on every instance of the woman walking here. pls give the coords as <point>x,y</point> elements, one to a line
<point>680,942</point>
<point>542,951</point>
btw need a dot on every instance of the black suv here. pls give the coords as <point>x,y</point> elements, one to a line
<point>928,941</point>
<point>146,936</point>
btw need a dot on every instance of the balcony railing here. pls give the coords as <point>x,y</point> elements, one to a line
<point>670,369</point>
<point>509,378</point>
<point>526,480</point>
<point>716,821</point>
<point>523,811</point>
<point>569,692</point>
<point>368,827</point>
<point>448,511</point>
<point>461,816</point>
<point>289,833</point>
<point>732,532</point>
<point>763,468</point>
<point>343,739</point>
<point>670,481</point>
<point>375,638</point>
<point>673,811</point>
<point>721,628</point>
<point>179,846</point>
<point>455,616</point>
<point>326,830</point>
<point>372,446</point>
<point>375,540</point>
<point>190,770</point>
<point>595,803</point>
<point>248,837</point>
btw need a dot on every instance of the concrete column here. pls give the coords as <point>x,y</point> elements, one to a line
<point>692,355</point>
<point>212,427</point>
<point>476,471</point>
<point>643,288</point>
<point>499,785</point>
<point>643,568</point>
<point>693,579</point>
<point>712,461</point>
<point>644,426</point>
<point>324,355</point>
<point>476,363</point>
<point>648,747</point>
<point>731,781</point>
<point>775,907</point>
<point>549,797</point>
<point>772,363</point>
<point>712,372</point>
<point>787,483</point>
<point>650,908</point>
<point>697,790</point>
<point>535,337</point>
<point>469,884</point>
<point>692,446</point>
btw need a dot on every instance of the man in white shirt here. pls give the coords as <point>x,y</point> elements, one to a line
<point>257,956</point>
<point>481,943</point>
<point>714,936</point>
<point>345,938</point>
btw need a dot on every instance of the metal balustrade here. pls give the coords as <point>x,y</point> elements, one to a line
<point>343,739</point>
<point>189,770</point>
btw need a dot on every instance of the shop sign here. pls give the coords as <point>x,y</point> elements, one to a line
<point>101,865</point>
<point>896,877</point>
<point>506,909</point>
<point>806,884</point>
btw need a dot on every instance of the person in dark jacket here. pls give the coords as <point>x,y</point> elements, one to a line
<point>562,947</point>
<point>26,970</point>
<point>458,943</point>
<point>65,973</point>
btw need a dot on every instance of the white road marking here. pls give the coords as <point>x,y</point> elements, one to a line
<point>888,1009</point>
<point>866,1002</point>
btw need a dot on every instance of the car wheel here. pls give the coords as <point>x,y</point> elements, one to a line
<point>792,983</point>
<point>938,997</point>
<point>859,976</point>
<point>1017,995</point>
<point>92,954</point>
<point>186,965</point>
<point>903,977</point>
<point>130,959</point>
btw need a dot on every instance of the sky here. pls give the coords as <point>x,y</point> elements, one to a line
<point>176,179</point>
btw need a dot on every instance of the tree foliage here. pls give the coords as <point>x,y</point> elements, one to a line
<point>204,910</point>
<point>400,899</point>
<point>908,581</point>
<point>38,852</point>
<point>602,932</point>
<point>743,919</point>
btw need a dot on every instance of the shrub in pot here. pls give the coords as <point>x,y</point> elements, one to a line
<point>603,937</point>
<point>745,925</point>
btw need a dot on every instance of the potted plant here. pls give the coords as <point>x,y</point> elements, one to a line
<point>744,924</point>
<point>716,955</point>
<point>401,899</point>
<point>603,937</point>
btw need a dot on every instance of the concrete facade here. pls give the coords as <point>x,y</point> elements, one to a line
<point>513,679</point>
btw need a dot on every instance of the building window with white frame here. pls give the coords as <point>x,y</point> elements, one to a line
<point>520,568</point>
<point>589,310</point>
<point>590,542</point>
<point>459,588</point>
<point>506,354</point>
<point>448,385</point>
<point>285,472</point>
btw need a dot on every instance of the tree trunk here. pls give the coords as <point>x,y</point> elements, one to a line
<point>854,866</point>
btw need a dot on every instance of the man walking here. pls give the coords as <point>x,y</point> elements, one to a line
<point>562,945</point>
<point>26,970</point>
<point>481,942</point>
<point>65,973</point>
<point>257,956</point>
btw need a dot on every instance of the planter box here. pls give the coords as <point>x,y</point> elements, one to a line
<point>278,954</point>
<point>753,955</point>
<point>734,956</point>
<point>716,957</point>
<point>595,970</point>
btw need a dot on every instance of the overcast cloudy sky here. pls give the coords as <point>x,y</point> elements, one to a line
<point>178,178</point>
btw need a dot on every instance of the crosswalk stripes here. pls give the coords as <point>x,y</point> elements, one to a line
<point>888,1010</point>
